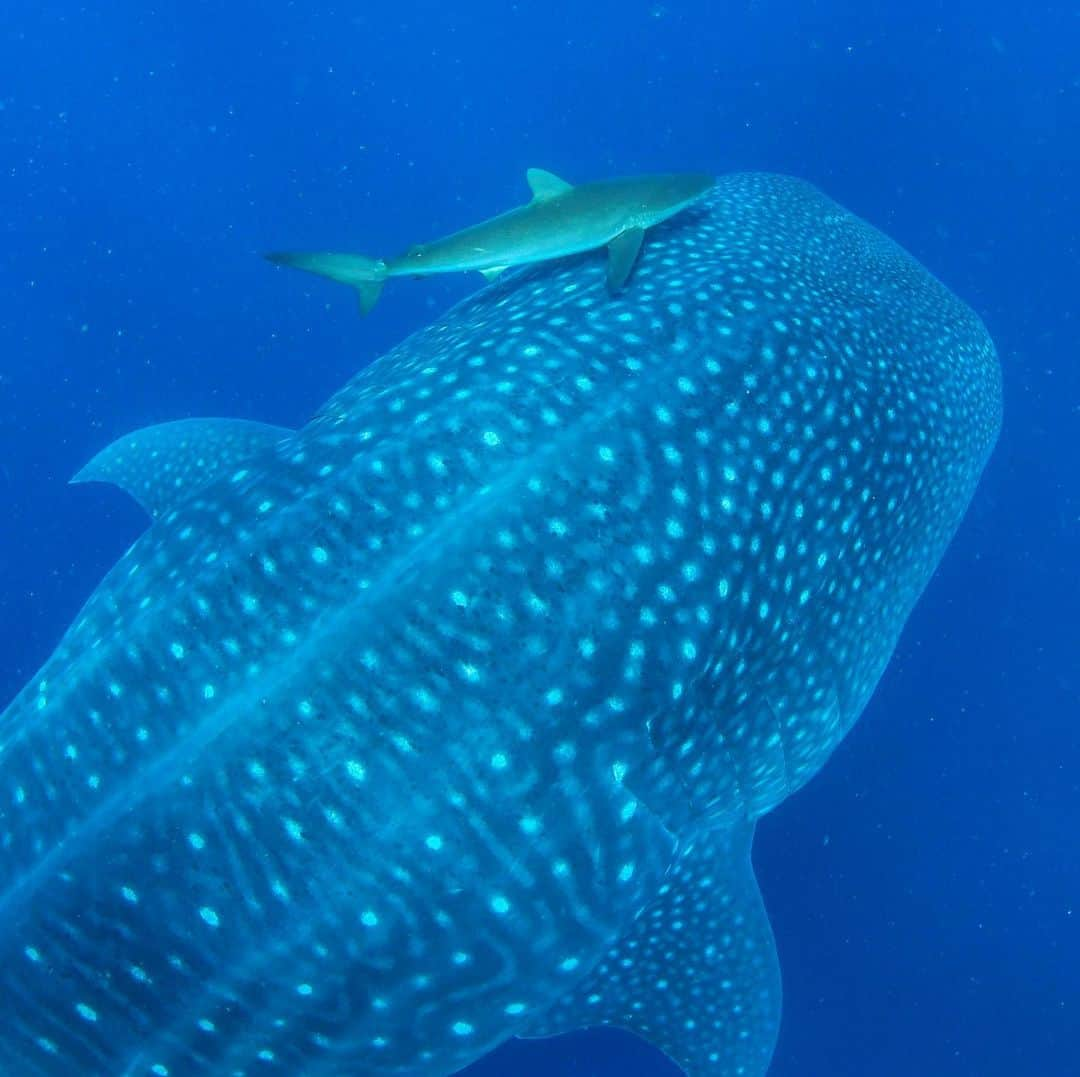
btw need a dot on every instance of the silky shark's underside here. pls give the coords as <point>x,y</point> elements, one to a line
<point>448,717</point>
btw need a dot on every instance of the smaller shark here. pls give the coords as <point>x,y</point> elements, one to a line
<point>561,219</point>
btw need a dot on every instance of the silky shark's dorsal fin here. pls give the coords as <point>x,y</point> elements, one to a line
<point>545,185</point>
<point>161,465</point>
<point>697,972</point>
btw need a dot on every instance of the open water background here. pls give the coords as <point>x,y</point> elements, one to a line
<point>925,889</point>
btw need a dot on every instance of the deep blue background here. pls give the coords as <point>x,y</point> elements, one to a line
<point>925,890</point>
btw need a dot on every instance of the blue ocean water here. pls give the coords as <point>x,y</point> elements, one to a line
<point>923,889</point>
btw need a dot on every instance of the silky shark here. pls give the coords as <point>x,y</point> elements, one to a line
<point>448,717</point>
<point>560,220</point>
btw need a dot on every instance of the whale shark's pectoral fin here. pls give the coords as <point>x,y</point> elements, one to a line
<point>493,272</point>
<point>545,185</point>
<point>697,973</point>
<point>162,465</point>
<point>622,254</point>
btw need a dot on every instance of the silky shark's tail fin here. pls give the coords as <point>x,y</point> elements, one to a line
<point>366,275</point>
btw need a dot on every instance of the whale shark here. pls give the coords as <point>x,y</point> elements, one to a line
<point>561,219</point>
<point>448,717</point>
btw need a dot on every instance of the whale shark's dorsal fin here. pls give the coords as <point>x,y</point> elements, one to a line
<point>545,185</point>
<point>697,972</point>
<point>160,466</point>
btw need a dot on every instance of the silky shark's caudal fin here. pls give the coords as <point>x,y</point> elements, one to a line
<point>366,275</point>
<point>162,465</point>
<point>697,973</point>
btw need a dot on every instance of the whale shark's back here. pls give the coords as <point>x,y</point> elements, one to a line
<point>375,742</point>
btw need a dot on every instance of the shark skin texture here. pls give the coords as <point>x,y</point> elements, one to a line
<point>560,220</point>
<point>448,717</point>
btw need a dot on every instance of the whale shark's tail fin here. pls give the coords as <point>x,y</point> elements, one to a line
<point>366,275</point>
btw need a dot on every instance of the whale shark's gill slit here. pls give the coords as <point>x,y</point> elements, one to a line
<point>784,777</point>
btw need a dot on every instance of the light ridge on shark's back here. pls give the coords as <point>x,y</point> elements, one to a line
<point>447,717</point>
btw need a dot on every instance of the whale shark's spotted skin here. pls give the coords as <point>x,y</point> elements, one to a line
<point>448,717</point>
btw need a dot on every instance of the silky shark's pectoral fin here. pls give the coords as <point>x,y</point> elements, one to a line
<point>697,973</point>
<point>367,294</point>
<point>493,272</point>
<point>622,254</point>
<point>162,465</point>
<point>366,275</point>
<point>545,185</point>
